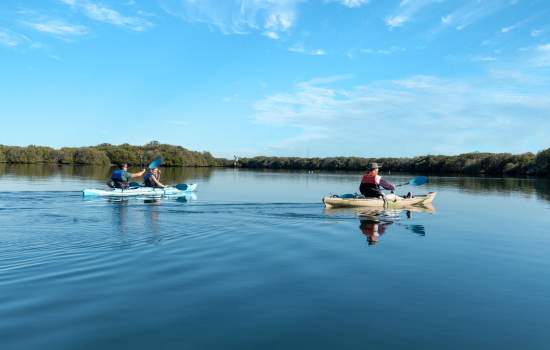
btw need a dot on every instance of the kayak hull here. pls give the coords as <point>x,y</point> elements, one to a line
<point>392,201</point>
<point>138,192</point>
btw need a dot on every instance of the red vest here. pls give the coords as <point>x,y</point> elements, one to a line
<point>369,178</point>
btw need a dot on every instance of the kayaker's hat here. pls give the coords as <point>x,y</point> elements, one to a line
<point>374,165</point>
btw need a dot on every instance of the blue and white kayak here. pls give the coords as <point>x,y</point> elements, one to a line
<point>141,191</point>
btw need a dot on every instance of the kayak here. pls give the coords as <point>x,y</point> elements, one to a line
<point>390,201</point>
<point>139,191</point>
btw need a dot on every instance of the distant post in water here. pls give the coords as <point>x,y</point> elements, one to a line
<point>235,161</point>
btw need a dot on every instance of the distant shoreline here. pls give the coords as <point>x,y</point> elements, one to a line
<point>493,164</point>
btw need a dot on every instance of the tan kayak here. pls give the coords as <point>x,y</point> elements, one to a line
<point>390,201</point>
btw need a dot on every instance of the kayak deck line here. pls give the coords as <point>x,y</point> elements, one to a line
<point>138,191</point>
<point>390,201</point>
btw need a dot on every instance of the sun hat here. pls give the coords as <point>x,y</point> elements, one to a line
<point>374,165</point>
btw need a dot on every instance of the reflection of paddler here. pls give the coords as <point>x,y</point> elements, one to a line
<point>152,214</point>
<point>373,230</point>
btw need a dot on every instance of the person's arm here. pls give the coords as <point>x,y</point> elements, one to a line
<point>134,175</point>
<point>387,185</point>
<point>157,182</point>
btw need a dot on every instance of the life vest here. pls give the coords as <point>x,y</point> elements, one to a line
<point>370,178</point>
<point>118,175</point>
<point>370,185</point>
<point>148,179</point>
<point>118,180</point>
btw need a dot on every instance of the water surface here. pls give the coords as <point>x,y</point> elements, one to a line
<point>255,261</point>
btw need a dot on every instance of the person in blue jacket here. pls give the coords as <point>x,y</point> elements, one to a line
<point>120,178</point>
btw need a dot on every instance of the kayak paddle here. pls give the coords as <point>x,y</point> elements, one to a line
<point>417,181</point>
<point>155,163</point>
<point>181,187</point>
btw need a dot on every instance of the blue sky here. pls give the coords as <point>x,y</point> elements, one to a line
<point>286,77</point>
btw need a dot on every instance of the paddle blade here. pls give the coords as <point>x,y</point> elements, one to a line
<point>418,181</point>
<point>155,163</point>
<point>182,187</point>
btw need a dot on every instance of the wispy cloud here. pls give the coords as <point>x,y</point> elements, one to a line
<point>271,35</point>
<point>19,42</point>
<point>406,12</point>
<point>472,11</point>
<point>517,24</point>
<point>483,58</point>
<point>354,53</point>
<point>58,28</point>
<point>454,115</point>
<point>299,48</point>
<point>105,14</point>
<point>351,3</point>
<point>541,56</point>
<point>11,39</point>
<point>387,51</point>
<point>270,17</point>
<point>396,21</point>
<point>307,136</point>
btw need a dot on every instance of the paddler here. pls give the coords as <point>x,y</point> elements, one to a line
<point>371,183</point>
<point>152,178</point>
<point>120,178</point>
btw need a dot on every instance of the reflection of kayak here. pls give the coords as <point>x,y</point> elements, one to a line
<point>140,191</point>
<point>375,211</point>
<point>391,201</point>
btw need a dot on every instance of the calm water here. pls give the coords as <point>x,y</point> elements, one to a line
<point>255,262</point>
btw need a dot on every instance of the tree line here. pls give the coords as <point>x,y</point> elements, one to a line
<point>107,154</point>
<point>496,164</point>
<point>476,163</point>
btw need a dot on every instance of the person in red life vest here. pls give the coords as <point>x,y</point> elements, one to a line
<point>371,183</point>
